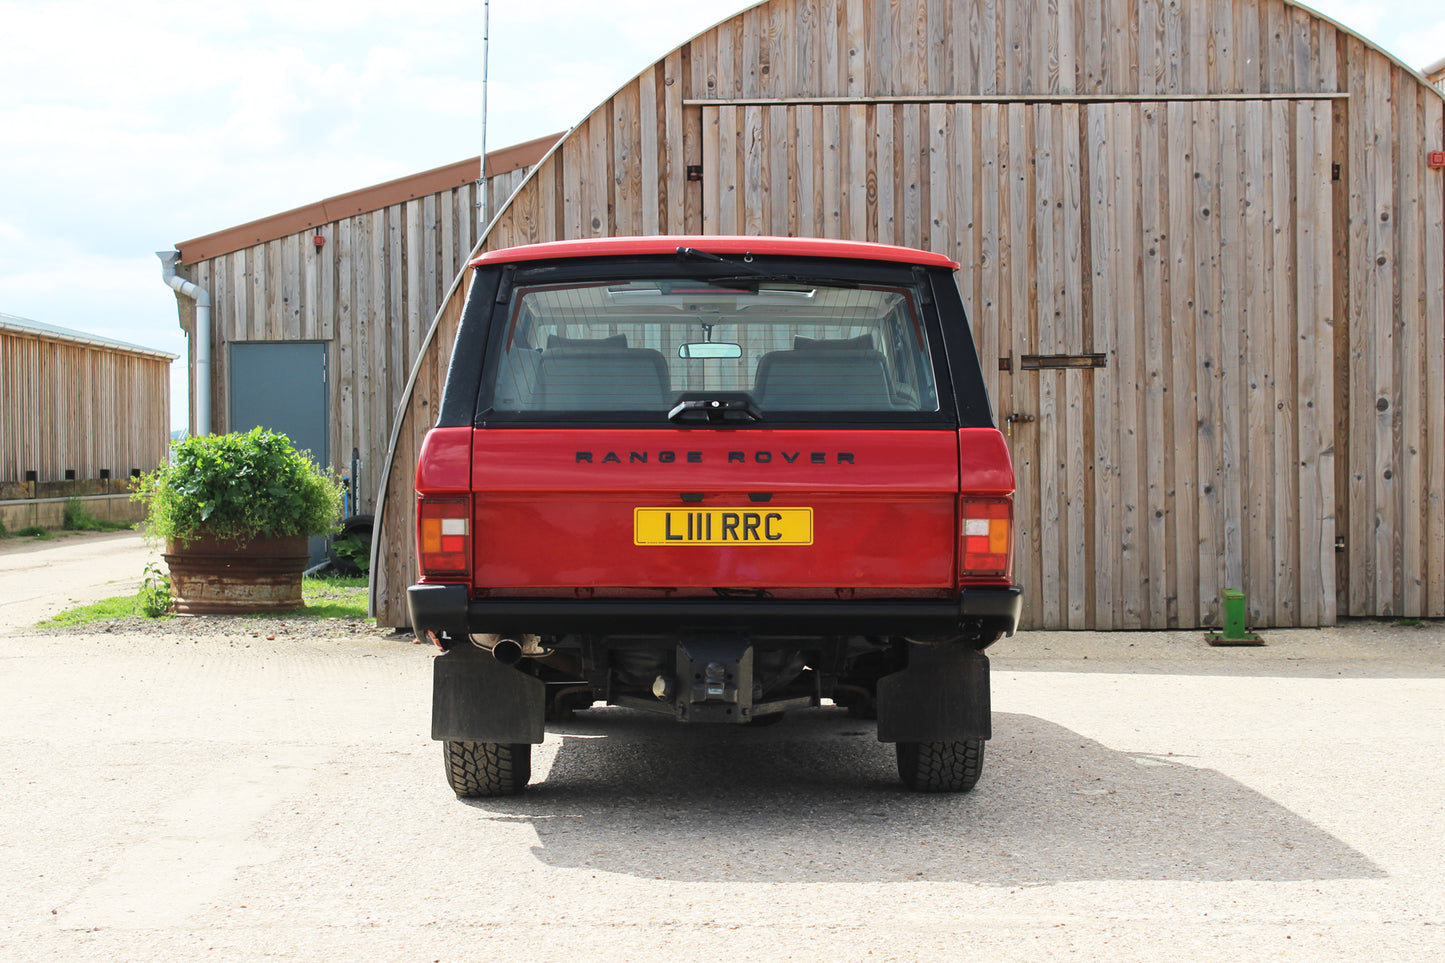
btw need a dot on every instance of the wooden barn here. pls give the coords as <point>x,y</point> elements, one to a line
<point>1202,243</point>
<point>318,314</point>
<point>81,415</point>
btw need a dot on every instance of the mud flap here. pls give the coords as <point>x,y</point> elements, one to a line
<point>942,696</point>
<point>475,698</point>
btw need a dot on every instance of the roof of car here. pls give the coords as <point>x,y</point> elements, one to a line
<point>714,244</point>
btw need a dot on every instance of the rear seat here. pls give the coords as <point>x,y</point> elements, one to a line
<point>601,375</point>
<point>824,376</point>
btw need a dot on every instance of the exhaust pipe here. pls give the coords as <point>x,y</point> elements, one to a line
<point>507,651</point>
<point>510,651</point>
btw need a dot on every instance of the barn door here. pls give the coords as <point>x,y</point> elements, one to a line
<point>1210,250</point>
<point>1150,286</point>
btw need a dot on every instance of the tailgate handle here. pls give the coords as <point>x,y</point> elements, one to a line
<point>715,411</point>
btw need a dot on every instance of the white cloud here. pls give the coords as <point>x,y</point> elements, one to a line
<point>1363,18</point>
<point>1412,32</point>
<point>1422,45</point>
<point>53,279</point>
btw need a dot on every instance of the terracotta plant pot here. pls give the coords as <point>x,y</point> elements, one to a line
<point>218,576</point>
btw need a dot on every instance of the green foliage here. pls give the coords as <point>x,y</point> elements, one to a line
<point>35,531</point>
<point>75,515</point>
<point>331,596</point>
<point>119,607</point>
<point>154,597</point>
<point>4,532</point>
<point>243,485</point>
<point>355,550</point>
<point>78,519</point>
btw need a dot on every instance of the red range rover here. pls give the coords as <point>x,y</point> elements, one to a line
<point>717,478</point>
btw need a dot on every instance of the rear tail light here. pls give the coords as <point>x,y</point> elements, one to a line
<point>444,538</point>
<point>985,545</point>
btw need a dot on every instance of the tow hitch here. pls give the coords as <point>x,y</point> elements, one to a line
<point>714,682</point>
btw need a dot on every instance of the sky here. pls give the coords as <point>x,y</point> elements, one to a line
<point>127,126</point>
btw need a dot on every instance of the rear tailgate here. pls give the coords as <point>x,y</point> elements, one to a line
<point>801,513</point>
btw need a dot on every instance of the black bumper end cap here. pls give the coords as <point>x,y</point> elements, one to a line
<point>1000,607</point>
<point>438,608</point>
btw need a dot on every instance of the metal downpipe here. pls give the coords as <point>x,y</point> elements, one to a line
<point>200,339</point>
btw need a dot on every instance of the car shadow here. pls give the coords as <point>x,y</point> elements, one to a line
<point>816,799</point>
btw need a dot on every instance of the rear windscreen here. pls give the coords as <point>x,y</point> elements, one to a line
<point>640,345</point>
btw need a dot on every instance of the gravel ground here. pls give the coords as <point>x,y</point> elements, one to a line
<point>207,626</point>
<point>194,789</point>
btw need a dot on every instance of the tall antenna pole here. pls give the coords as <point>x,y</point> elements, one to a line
<point>482,205</point>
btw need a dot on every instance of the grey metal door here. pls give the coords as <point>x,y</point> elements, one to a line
<point>281,385</point>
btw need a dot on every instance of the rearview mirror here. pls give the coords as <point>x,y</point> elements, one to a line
<point>709,349</point>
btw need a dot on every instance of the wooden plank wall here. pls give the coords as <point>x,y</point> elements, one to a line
<point>82,407</point>
<point>852,100</point>
<point>1394,340</point>
<point>370,291</point>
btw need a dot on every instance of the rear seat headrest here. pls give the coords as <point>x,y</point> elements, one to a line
<point>555,341</point>
<point>864,342</point>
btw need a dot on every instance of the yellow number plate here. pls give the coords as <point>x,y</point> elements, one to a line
<point>722,526</point>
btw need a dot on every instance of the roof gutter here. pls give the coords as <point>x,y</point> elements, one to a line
<point>200,339</point>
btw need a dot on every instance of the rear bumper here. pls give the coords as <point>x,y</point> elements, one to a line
<point>976,612</point>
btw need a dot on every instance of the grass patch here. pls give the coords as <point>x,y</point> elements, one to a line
<point>327,596</point>
<point>78,519</point>
<point>35,531</point>
<point>119,607</point>
<point>331,596</point>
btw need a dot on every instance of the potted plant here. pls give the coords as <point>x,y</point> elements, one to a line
<point>235,511</point>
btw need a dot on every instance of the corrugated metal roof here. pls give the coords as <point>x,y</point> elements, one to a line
<point>9,322</point>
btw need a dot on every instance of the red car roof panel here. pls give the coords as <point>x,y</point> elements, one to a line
<point>714,244</point>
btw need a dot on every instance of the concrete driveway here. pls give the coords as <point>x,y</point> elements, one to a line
<point>41,579</point>
<point>190,792</point>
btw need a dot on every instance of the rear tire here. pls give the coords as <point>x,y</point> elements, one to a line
<point>487,768</point>
<point>358,526</point>
<point>940,766</point>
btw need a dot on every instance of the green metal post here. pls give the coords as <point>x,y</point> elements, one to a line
<point>1236,628</point>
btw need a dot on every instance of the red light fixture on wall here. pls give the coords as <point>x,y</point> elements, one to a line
<point>1435,159</point>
